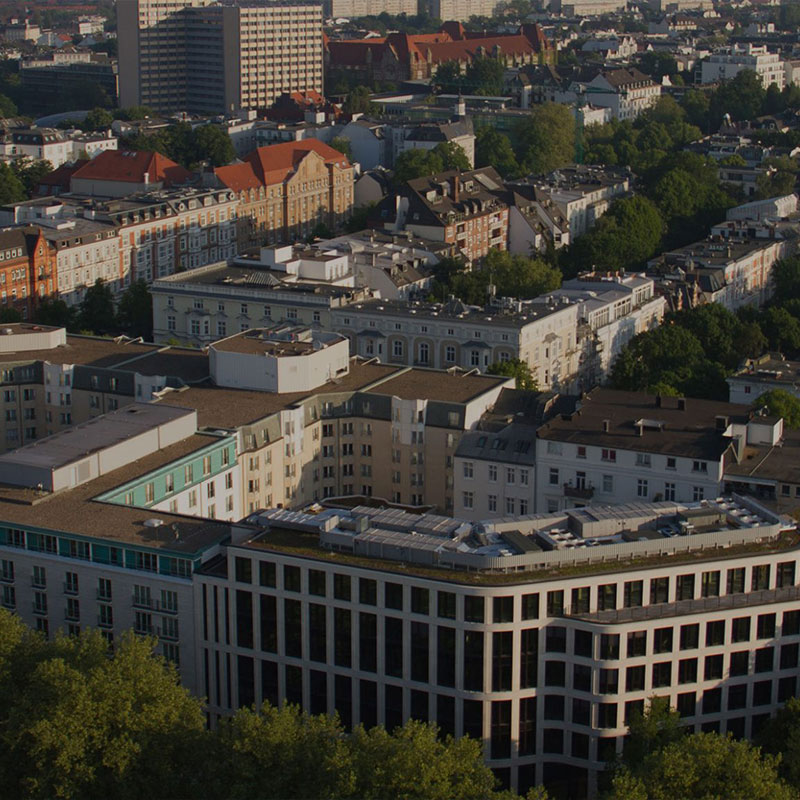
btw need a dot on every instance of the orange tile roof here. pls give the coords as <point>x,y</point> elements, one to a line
<point>238,177</point>
<point>132,166</point>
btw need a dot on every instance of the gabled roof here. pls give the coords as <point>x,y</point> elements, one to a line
<point>274,163</point>
<point>132,166</point>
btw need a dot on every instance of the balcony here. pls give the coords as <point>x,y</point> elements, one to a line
<point>579,492</point>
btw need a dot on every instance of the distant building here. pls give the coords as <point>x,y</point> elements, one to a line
<point>287,190</point>
<point>764,374</point>
<point>200,56</point>
<point>464,209</point>
<point>363,8</point>
<point>627,92</point>
<point>729,62</point>
<point>46,81</point>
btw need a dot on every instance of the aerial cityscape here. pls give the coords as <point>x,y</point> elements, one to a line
<point>401,398</point>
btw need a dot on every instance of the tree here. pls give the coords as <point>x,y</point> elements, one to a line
<point>358,101</point>
<point>780,182</point>
<point>484,76</point>
<point>416,163</point>
<point>11,187</point>
<point>10,315</point>
<point>98,119</point>
<point>546,138</point>
<point>342,144</point>
<point>76,722</point>
<point>96,312</point>
<point>786,274</point>
<point>135,311</point>
<point>452,156</point>
<point>7,107</point>
<point>132,113</point>
<point>449,77</point>
<point>55,312</point>
<point>651,731</point>
<point>780,403</point>
<point>696,104</point>
<point>703,766</point>
<point>515,368</point>
<point>30,172</point>
<point>742,97</point>
<point>212,143</point>
<point>780,736</point>
<point>493,149</point>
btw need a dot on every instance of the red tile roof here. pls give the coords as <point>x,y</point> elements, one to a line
<point>273,164</point>
<point>58,180</point>
<point>132,166</point>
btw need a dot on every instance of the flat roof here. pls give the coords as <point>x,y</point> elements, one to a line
<point>189,365</point>
<point>100,433</point>
<point>690,431</point>
<point>444,387</point>
<point>72,511</point>
<point>219,407</point>
<point>86,350</point>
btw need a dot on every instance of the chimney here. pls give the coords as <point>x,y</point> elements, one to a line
<point>639,428</point>
<point>456,188</point>
<point>658,401</point>
<point>681,404</point>
<point>606,425</point>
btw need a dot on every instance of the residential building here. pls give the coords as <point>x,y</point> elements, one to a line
<point>207,57</point>
<point>543,333</point>
<point>588,8</point>
<point>612,47</point>
<point>461,10</point>
<point>392,266</point>
<point>287,190</point>
<point>465,209</point>
<point>627,92</point>
<point>766,373</point>
<point>217,300</point>
<point>158,232</point>
<point>733,266</point>
<point>363,8</point>
<point>578,195</point>
<point>379,143</point>
<point>534,635</point>
<point>49,144</point>
<point>728,62</point>
<point>625,447</point>
<point>27,270</point>
<point>401,57</point>
<point>120,173</point>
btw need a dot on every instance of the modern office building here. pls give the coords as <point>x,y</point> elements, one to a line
<point>533,635</point>
<point>202,56</point>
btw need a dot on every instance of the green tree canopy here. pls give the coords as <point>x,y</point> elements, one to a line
<point>342,144</point>
<point>30,172</point>
<point>96,313</point>
<point>416,163</point>
<point>546,138</point>
<point>135,311</point>
<point>211,143</point>
<point>780,736</point>
<point>12,189</point>
<point>493,149</point>
<point>78,723</point>
<point>781,403</point>
<point>452,155</point>
<point>742,97</point>
<point>703,766</point>
<point>55,312</point>
<point>98,119</point>
<point>358,102</point>
<point>515,368</point>
<point>484,76</point>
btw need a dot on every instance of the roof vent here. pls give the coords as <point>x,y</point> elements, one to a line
<point>153,523</point>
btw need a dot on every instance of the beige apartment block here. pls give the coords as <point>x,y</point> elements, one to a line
<point>362,8</point>
<point>195,55</point>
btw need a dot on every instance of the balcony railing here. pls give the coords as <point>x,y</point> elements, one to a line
<point>585,492</point>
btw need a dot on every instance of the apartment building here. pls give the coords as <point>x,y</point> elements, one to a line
<point>728,62</point>
<point>624,447</point>
<point>732,266</point>
<point>49,144</point>
<point>362,8</point>
<point>486,629</point>
<point>27,269</point>
<point>627,92</point>
<point>142,236</point>
<point>580,194</point>
<point>465,209</point>
<point>214,301</point>
<point>768,373</point>
<point>207,57</point>
<point>287,190</point>
<point>542,333</point>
